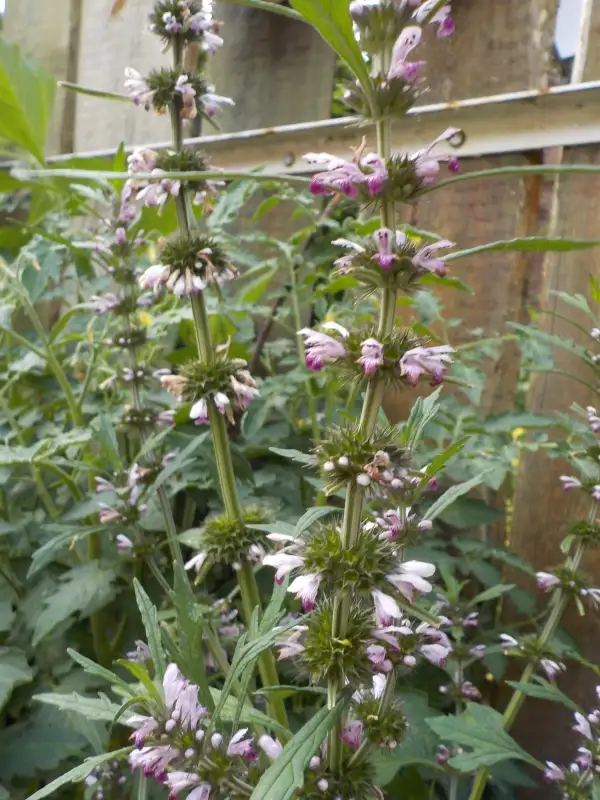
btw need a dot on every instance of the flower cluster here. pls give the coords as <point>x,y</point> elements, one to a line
<point>369,177</point>
<point>531,649</point>
<point>396,27</point>
<point>577,780</point>
<point>225,385</point>
<point>395,357</point>
<point>187,21</point>
<point>139,191</point>
<point>173,748</point>
<point>166,87</point>
<point>391,260</point>
<point>223,540</point>
<point>189,266</point>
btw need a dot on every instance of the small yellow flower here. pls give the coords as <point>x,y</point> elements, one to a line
<point>145,319</point>
<point>517,433</point>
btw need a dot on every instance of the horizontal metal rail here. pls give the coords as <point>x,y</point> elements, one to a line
<point>505,123</point>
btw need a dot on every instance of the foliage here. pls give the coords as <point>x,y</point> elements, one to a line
<point>135,543</point>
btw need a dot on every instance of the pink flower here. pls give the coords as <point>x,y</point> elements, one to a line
<point>384,239</point>
<point>442,17</point>
<point>137,88</point>
<point>552,668</point>
<point>410,578</point>
<point>345,261</point>
<point>238,746</point>
<point>199,412</point>
<point>153,761</point>
<point>154,277</point>
<point>212,102</point>
<point>284,563</point>
<point>345,176</point>
<point>145,727</point>
<point>593,418</point>
<point>426,260</point>
<point>322,348</point>
<point>427,166</point>
<point>292,646</point>
<point>553,773</point>
<point>386,608</point>
<point>271,747</point>
<point>569,482</point>
<point>306,587</point>
<point>124,543</point>
<point>196,562</point>
<point>583,726</point>
<point>405,44</point>
<point>426,360</point>
<point>378,172</point>
<point>545,580</point>
<point>372,356</point>
<point>352,734</point>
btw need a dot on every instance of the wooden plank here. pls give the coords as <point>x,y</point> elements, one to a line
<point>542,510</point>
<point>109,44</point>
<point>45,31</point>
<point>496,36</point>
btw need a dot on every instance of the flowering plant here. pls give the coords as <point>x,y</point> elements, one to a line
<point>367,593</point>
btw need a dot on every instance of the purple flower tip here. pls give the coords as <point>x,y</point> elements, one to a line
<point>454,165</point>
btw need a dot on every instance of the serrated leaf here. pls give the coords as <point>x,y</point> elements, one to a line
<point>422,412</point>
<point>92,668</point>
<point>45,554</point>
<point>98,708</point>
<point>38,744</point>
<point>82,590</point>
<point>492,593</point>
<point>149,616</point>
<point>14,671</point>
<point>295,455</point>
<point>481,729</point>
<point>286,773</point>
<point>544,690</point>
<point>311,516</point>
<point>26,99</point>
<point>79,773</point>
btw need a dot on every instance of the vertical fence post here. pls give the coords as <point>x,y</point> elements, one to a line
<point>493,50</point>
<point>541,509</point>
<point>49,32</point>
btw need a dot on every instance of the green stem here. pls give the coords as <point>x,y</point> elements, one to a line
<point>266,662</point>
<point>355,494</point>
<point>560,601</point>
<point>218,426</point>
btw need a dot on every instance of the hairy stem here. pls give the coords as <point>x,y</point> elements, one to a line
<point>559,602</point>
<point>218,426</point>
<point>355,494</point>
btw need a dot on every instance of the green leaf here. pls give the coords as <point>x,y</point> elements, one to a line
<point>333,21</point>
<point>451,495</point>
<point>529,244</point>
<point>92,668</point>
<point>480,728</point>
<point>272,8</point>
<point>247,714</point>
<point>311,516</point>
<point>467,512</point>
<point>149,616</point>
<point>82,590</point>
<point>506,423</point>
<point>286,773</point>
<point>544,690</point>
<point>295,455</point>
<point>14,671</point>
<point>47,553</point>
<point>80,773</point>
<point>98,708</point>
<point>423,411</point>
<point>492,593</point>
<point>439,461</point>
<point>26,99</point>
<point>38,744</point>
<point>182,459</point>
<point>75,87</point>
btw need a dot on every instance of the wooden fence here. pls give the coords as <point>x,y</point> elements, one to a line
<point>498,80</point>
